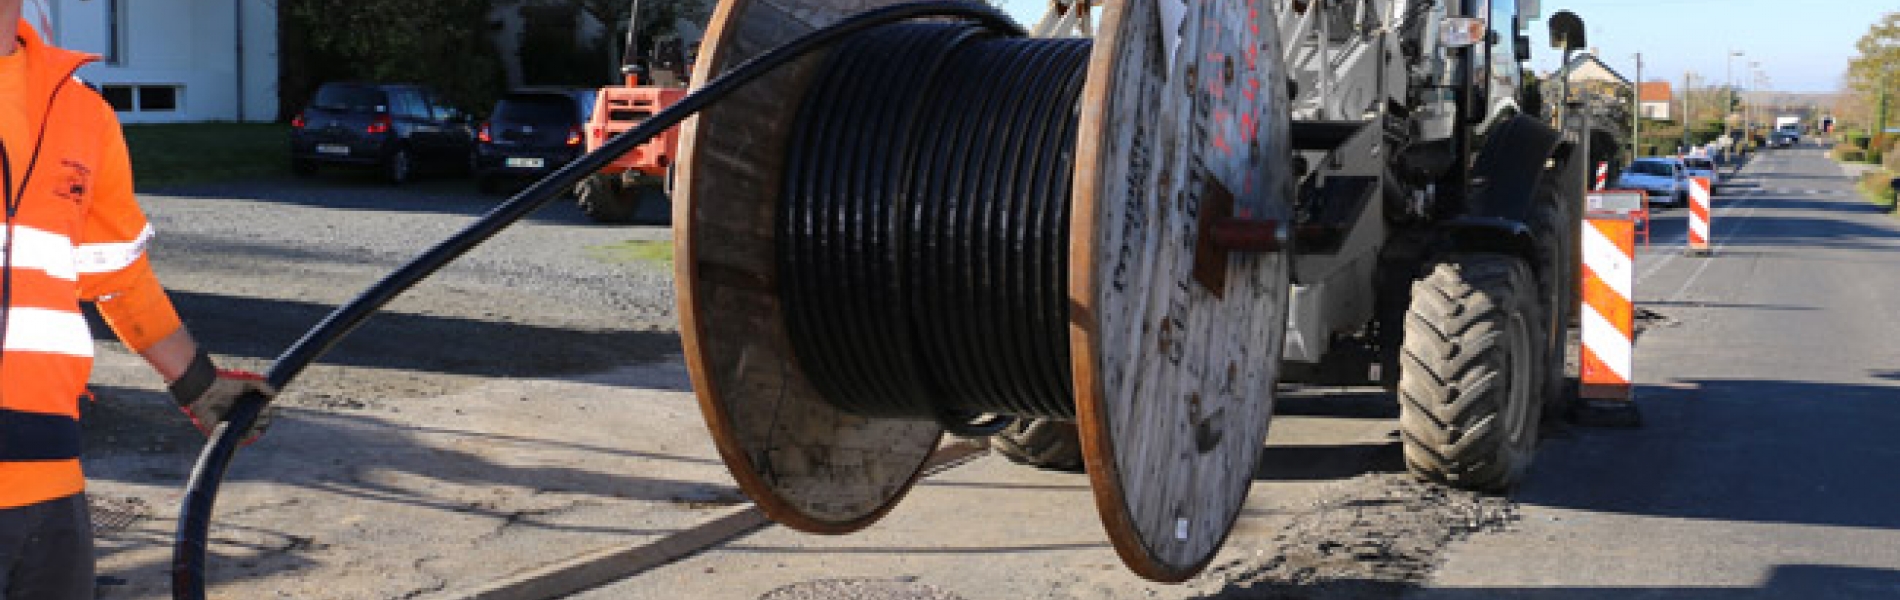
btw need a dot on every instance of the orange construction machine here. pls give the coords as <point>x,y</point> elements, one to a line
<point>618,191</point>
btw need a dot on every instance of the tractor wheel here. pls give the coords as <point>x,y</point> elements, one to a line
<point>1469,385</point>
<point>1041,443</point>
<point>602,199</point>
<point>1557,231</point>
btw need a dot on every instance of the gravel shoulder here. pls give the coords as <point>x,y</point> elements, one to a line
<point>525,403</point>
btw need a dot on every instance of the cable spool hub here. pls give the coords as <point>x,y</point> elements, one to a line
<point>955,221</point>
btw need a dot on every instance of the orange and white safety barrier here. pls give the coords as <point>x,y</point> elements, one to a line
<point>1603,175</point>
<point>1609,316</point>
<point>1700,224</point>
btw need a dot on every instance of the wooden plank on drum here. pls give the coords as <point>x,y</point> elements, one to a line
<point>807,464</point>
<point>1174,381</point>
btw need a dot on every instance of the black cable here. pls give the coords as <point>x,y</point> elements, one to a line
<point>923,224</point>
<point>201,490</point>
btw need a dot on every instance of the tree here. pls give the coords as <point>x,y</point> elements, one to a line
<point>1875,73</point>
<point>443,43</point>
<point>658,19</point>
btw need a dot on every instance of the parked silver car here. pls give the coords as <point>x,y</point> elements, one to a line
<point>1701,166</point>
<point>1665,179</point>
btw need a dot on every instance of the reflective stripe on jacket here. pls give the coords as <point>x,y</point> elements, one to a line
<point>76,233</point>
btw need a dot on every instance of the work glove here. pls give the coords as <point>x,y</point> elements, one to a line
<point>206,394</point>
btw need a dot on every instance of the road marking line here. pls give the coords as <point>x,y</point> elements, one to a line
<point>1705,264</point>
<point>1674,246</point>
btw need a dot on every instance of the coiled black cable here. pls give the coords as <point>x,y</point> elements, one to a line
<point>207,475</point>
<point>923,223</point>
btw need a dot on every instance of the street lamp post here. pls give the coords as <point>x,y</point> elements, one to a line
<point>1729,132</point>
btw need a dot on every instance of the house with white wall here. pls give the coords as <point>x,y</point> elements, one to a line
<point>1658,100</point>
<point>170,61</point>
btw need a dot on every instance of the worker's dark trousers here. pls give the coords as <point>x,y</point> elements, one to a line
<point>46,551</point>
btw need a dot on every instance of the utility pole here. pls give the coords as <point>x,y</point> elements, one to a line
<point>1880,127</point>
<point>1688,89</point>
<point>1636,116</point>
<point>1748,108</point>
<point>1730,108</point>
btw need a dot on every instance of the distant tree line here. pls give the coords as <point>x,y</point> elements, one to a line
<point>1873,78</point>
<point>450,44</point>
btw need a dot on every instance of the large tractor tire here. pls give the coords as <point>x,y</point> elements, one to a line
<point>602,199</point>
<point>1557,227</point>
<point>1470,365</point>
<point>1041,443</point>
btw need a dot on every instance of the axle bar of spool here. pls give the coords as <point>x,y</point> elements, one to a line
<point>1249,235</point>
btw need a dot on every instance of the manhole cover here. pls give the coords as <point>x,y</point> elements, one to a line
<point>860,589</point>
<point>115,513</point>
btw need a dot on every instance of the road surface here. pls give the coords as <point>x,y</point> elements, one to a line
<point>1771,397</point>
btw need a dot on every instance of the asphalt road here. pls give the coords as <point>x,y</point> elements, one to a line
<point>1770,391</point>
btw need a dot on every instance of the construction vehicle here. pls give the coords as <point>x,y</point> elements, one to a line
<point>1437,225</point>
<point>616,193</point>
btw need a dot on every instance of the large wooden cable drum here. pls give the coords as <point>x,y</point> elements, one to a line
<point>891,236</point>
<point>1177,342</point>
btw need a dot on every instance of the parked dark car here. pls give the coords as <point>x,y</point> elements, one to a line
<point>530,133</point>
<point>395,128</point>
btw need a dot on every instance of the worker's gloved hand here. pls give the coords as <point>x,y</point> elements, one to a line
<point>206,394</point>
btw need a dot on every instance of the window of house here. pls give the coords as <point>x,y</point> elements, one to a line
<point>119,96</point>
<point>158,98</point>
<point>142,98</point>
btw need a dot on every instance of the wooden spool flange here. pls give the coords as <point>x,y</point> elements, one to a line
<point>1175,338</point>
<point>808,465</point>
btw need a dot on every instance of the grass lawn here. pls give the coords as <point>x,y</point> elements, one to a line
<point>655,252</point>
<point>174,154</point>
<point>1873,185</point>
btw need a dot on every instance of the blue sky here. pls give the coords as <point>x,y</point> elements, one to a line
<point>1803,46</point>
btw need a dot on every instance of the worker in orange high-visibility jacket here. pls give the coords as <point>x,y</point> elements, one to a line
<point>73,233</point>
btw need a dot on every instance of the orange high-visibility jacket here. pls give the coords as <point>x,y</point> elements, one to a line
<point>73,232</point>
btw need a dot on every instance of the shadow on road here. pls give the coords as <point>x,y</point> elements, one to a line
<point>1808,233</point>
<point>1758,451</point>
<point>262,328</point>
<point>1700,304</point>
<point>369,194</point>
<point>1783,583</point>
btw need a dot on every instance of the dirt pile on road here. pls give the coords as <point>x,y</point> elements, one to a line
<point>1379,535</point>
